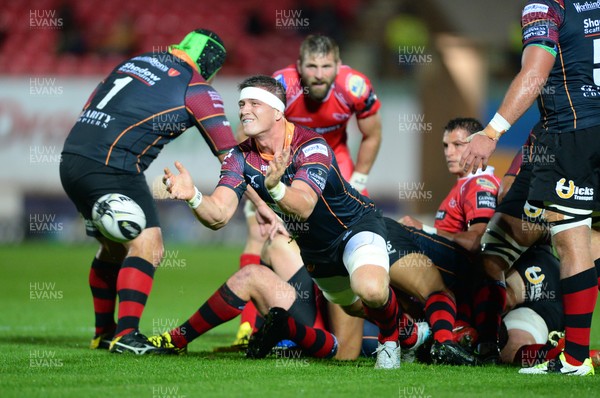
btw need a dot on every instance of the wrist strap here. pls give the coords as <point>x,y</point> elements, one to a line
<point>277,192</point>
<point>196,200</point>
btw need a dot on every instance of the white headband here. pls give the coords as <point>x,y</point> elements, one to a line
<point>262,95</point>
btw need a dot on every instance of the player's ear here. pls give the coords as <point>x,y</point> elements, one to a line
<point>298,65</point>
<point>337,66</point>
<point>278,115</point>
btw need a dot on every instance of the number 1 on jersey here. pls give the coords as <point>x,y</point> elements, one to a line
<point>118,85</point>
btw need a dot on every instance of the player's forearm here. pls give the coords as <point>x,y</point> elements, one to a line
<point>254,197</point>
<point>212,214</point>
<point>370,144</point>
<point>367,153</point>
<point>296,201</point>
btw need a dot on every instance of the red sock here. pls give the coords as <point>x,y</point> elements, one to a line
<point>408,331</point>
<point>103,283</point>
<point>440,309</point>
<point>386,318</point>
<point>316,342</point>
<point>489,304</point>
<point>250,313</point>
<point>579,293</point>
<point>134,284</point>
<point>533,354</point>
<point>221,307</point>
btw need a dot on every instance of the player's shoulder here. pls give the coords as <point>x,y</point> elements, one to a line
<point>485,181</point>
<point>287,76</point>
<point>352,82</point>
<point>309,141</point>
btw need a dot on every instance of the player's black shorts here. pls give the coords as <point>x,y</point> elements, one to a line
<point>451,260</point>
<point>567,172</point>
<point>515,201</point>
<point>540,272</point>
<point>329,262</point>
<point>85,180</point>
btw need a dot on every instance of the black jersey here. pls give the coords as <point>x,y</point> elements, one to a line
<point>570,99</point>
<point>143,104</point>
<point>312,161</point>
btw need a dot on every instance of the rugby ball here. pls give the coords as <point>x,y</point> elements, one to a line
<point>118,217</point>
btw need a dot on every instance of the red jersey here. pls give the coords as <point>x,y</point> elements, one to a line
<point>351,93</point>
<point>472,199</point>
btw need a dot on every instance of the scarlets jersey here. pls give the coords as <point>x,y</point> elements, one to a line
<point>350,93</point>
<point>570,98</point>
<point>146,102</point>
<point>472,199</point>
<point>311,160</point>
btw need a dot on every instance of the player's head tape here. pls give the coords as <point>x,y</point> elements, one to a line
<point>262,95</point>
<point>206,49</point>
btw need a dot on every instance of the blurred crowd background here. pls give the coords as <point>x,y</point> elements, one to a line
<point>429,61</point>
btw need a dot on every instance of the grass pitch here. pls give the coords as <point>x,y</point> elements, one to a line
<point>46,322</point>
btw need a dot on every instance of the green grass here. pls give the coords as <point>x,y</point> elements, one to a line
<point>46,321</point>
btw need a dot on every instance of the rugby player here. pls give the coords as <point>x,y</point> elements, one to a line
<point>323,94</point>
<point>114,140</point>
<point>294,170</point>
<point>558,69</point>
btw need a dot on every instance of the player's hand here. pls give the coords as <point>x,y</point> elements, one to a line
<point>411,222</point>
<point>179,186</point>
<point>268,222</point>
<point>277,167</point>
<point>478,151</point>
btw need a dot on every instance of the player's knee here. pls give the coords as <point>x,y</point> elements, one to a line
<point>372,291</point>
<point>497,242</point>
<point>149,246</point>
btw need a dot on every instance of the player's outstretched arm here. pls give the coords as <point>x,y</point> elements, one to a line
<point>214,211</point>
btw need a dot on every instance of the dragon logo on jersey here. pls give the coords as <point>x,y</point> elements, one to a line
<point>357,86</point>
<point>572,191</point>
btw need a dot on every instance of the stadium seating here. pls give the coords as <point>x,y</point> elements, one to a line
<point>27,48</point>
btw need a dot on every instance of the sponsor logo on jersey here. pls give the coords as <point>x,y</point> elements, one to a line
<point>532,211</point>
<point>572,191</point>
<point>152,61</point>
<point>535,278</point>
<point>95,118</point>
<point>318,176</point>
<point>325,130</point>
<point>315,148</point>
<point>485,183</point>
<point>486,200</point>
<point>340,116</point>
<point>538,30</point>
<point>142,74</point>
<point>300,119</point>
<point>591,26</point>
<point>253,183</point>
<point>535,7</point>
<point>440,215</point>
<point>587,6</point>
<point>357,86</point>
<point>390,249</point>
